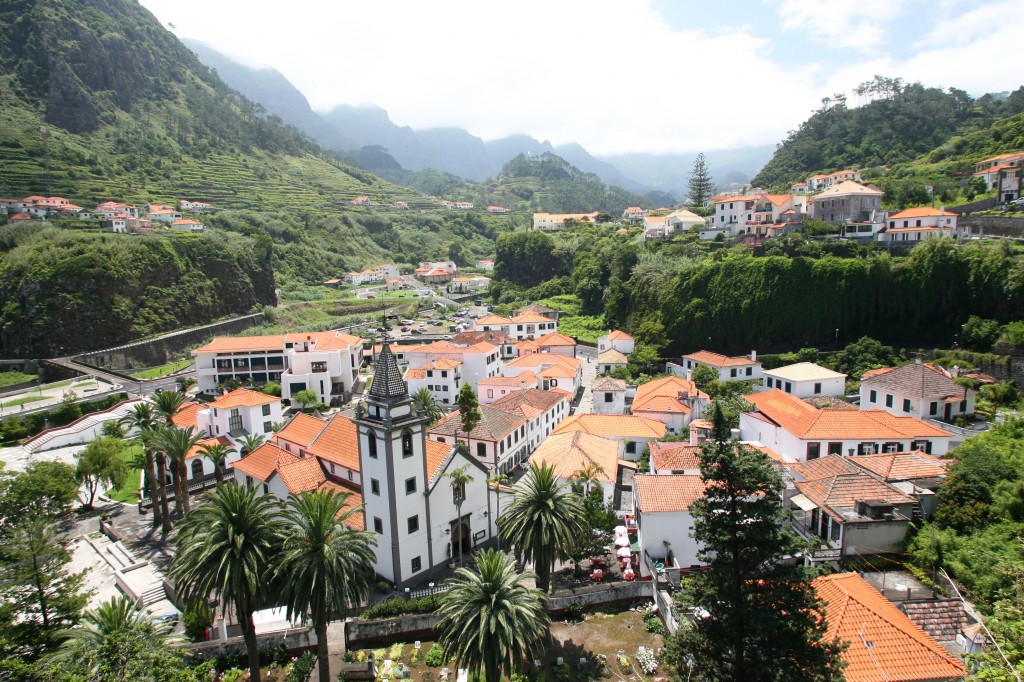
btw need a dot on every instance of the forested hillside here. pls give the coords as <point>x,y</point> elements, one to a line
<point>66,291</point>
<point>899,123</point>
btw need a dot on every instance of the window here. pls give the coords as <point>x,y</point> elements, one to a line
<point>378,525</point>
<point>891,447</point>
<point>410,485</point>
<point>371,444</point>
<point>933,409</point>
<point>375,486</point>
<point>868,449</point>
<point>813,450</point>
<point>608,397</point>
<point>417,564</point>
<point>266,410</point>
<point>768,382</point>
<point>481,450</point>
<point>817,388</point>
<point>732,372</point>
<point>197,468</point>
<point>750,371</point>
<point>963,406</point>
<point>490,393</point>
<point>414,524</point>
<point>906,404</point>
<point>888,400</point>
<point>873,397</point>
<point>458,492</point>
<point>235,421</point>
<point>266,489</point>
<point>267,427</point>
<point>406,444</point>
<point>631,448</point>
<point>835,448</point>
<point>789,387</point>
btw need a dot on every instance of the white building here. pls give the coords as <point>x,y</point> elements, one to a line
<point>806,380</point>
<point>479,361</point>
<point>661,505</point>
<point>520,327</point>
<point>740,368</point>
<point>918,389</point>
<point>616,340</point>
<point>492,389</point>
<point>916,224</point>
<point>569,453</point>
<point>609,395</point>
<point>443,378</point>
<point>326,363</point>
<point>634,432</point>
<point>798,431</point>
<point>240,413</point>
<point>553,370</point>
<point>552,222</point>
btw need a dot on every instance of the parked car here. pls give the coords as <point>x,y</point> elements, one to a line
<point>407,321</point>
<point>406,328</point>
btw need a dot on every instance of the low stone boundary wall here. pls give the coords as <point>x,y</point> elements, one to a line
<point>293,641</point>
<point>359,632</point>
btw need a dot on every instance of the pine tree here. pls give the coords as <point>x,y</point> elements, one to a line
<point>700,183</point>
<point>763,620</point>
<point>469,409</point>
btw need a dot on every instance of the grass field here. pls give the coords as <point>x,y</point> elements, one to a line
<point>24,400</point>
<point>130,493</point>
<point>163,370</point>
<point>584,327</point>
<point>12,378</point>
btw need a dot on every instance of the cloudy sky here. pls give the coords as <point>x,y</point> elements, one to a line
<point>613,75</point>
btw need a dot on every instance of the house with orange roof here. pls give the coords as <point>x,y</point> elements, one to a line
<point>655,227</point>
<point>633,431</point>
<point>19,218</point>
<point>661,505</point>
<point>326,363</point>
<point>616,340</point>
<point>553,370</point>
<point>570,452</point>
<point>496,210</point>
<point>164,215</point>
<point>495,388</point>
<point>1003,174</point>
<point>610,360</point>
<point>558,344</point>
<point>682,220</point>
<point>799,188</point>
<point>485,264</point>
<point>479,361</point>
<point>117,224</point>
<point>441,377</point>
<point>816,182</point>
<point>634,214</point>
<point>915,224</point>
<point>673,401</point>
<point>741,368</point>
<point>187,225</point>
<point>361,200</point>
<point>525,325</point>
<point>882,643</point>
<point>195,206</point>
<point>240,413</point>
<point>470,285</point>
<point>553,222</point>
<point>609,395</point>
<point>917,389</point>
<point>434,275</point>
<point>505,343</point>
<point>849,203</point>
<point>799,431</point>
<point>833,179</point>
<point>299,433</point>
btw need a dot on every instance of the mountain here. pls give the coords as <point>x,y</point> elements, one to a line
<point>899,123</point>
<point>671,172</point>
<point>269,88</point>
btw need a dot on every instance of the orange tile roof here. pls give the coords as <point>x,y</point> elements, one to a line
<point>675,457</point>
<point>918,380</point>
<point>495,424</point>
<point>243,397</point>
<point>529,378</point>
<point>778,198</point>
<point>539,402</point>
<point>884,645</point>
<point>185,417</point>
<point>337,443</point>
<point>666,492</point>
<point>436,454</point>
<point>903,466</point>
<point>197,449</point>
<point>808,422</point>
<point>662,395</point>
<point>838,495</point>
<point>355,499</point>
<point>614,425</point>
<point>536,360</point>
<point>845,188</point>
<point>557,372</point>
<point>1008,155</point>
<point>617,335</point>
<point>530,318</point>
<point>612,357</point>
<point>823,467</point>
<point>412,374</point>
<point>922,212</point>
<point>263,461</point>
<point>994,169</point>
<point>493,319</point>
<point>302,430</point>
<point>528,344</point>
<point>705,357</point>
<point>224,344</point>
<point>569,452</point>
<point>301,475</point>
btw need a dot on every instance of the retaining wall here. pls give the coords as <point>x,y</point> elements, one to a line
<point>992,226</point>
<point>293,641</point>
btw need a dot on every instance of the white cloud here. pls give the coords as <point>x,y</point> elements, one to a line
<point>858,24</point>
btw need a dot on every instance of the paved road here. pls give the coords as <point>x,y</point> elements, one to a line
<point>589,357</point>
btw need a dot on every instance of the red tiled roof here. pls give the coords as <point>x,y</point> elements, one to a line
<point>494,424</point>
<point>436,454</point>
<point>541,401</point>
<point>197,449</point>
<point>301,475</point>
<point>662,395</point>
<point>617,335</point>
<point>715,360</point>
<point>666,493</point>
<point>337,443</point>
<point>923,212</point>
<point>675,457</point>
<point>903,466</point>
<point>918,380</point>
<point>302,430</point>
<point>614,425</point>
<point>836,494</point>
<point>883,644</point>
<point>570,452</point>
<point>185,417</point>
<point>243,397</point>
<point>263,461</point>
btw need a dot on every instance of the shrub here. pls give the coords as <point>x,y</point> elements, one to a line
<point>562,673</point>
<point>197,617</point>
<point>301,668</point>
<point>435,657</point>
<point>654,625</point>
<point>574,611</point>
<point>399,606</point>
<point>232,675</point>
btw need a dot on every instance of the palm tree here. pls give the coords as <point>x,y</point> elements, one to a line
<point>490,619</point>
<point>176,443</point>
<point>323,565</point>
<point>423,400</point>
<point>543,521</point>
<point>217,453</point>
<point>228,547</point>
<point>459,477</point>
<point>588,476</point>
<point>144,419</point>
<point>497,479</point>
<point>166,404</point>
<point>249,443</point>
<point>113,637</point>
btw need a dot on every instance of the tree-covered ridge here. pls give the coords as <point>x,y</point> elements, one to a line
<point>68,291</point>
<point>552,184</point>
<point>900,122</point>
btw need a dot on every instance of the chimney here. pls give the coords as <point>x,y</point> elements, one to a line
<point>689,375</point>
<point>694,439</point>
<point>942,210</point>
<point>753,356</point>
<point>917,360</point>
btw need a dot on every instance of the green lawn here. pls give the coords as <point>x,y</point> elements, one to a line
<point>163,370</point>
<point>23,401</point>
<point>130,493</point>
<point>12,378</point>
<point>584,327</point>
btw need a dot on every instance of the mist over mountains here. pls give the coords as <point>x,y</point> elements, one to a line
<point>347,128</point>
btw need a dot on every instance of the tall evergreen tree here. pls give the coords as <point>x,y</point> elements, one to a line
<point>763,621</point>
<point>700,184</point>
<point>469,408</point>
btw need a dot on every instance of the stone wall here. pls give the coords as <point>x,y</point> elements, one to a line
<point>294,641</point>
<point>992,226</point>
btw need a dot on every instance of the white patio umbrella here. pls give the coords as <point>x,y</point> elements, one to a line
<point>622,541</point>
<point>624,552</point>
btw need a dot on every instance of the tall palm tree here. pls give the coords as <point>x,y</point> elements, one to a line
<point>176,443</point>
<point>323,565</point>
<point>249,443</point>
<point>113,637</point>
<point>142,418</point>
<point>459,477</point>
<point>490,619</point>
<point>218,453</point>
<point>542,522</point>
<point>424,400</point>
<point>497,479</point>
<point>166,404</point>
<point>227,547</point>
<point>588,476</point>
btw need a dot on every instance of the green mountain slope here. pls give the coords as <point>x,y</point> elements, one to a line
<point>900,123</point>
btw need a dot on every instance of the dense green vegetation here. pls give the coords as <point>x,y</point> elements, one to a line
<point>899,123</point>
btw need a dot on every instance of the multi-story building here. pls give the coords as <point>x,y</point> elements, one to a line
<point>553,370</point>
<point>523,326</point>
<point>856,206</point>
<point>673,401</point>
<point>917,389</point>
<point>806,380</point>
<point>915,224</point>
<point>326,363</point>
<point>479,361</point>
<point>1003,174</point>
<point>443,378</point>
<point>552,222</point>
<point>742,368</point>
